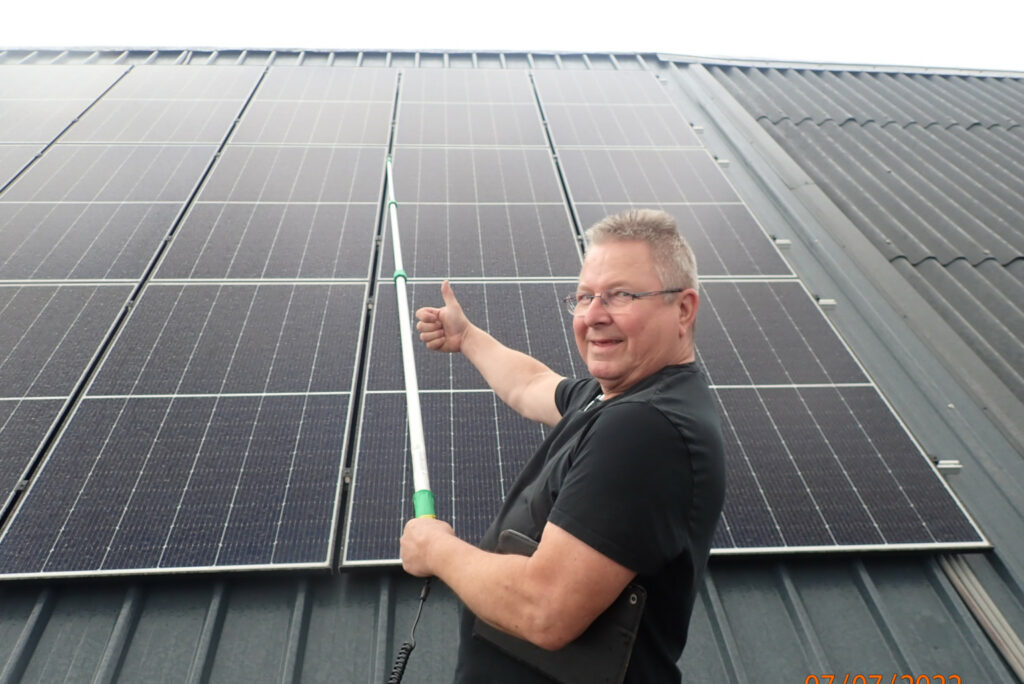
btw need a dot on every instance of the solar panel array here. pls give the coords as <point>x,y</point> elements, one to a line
<point>190,254</point>
<point>211,433</point>
<point>816,459</point>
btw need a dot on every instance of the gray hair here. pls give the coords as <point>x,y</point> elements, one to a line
<point>674,261</point>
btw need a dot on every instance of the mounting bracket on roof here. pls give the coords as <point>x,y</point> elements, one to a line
<point>826,302</point>
<point>782,243</point>
<point>948,465</point>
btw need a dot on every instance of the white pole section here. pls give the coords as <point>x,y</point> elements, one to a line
<point>423,498</point>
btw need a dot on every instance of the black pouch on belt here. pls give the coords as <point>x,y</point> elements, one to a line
<point>600,654</point>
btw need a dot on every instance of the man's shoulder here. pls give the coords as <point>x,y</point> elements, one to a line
<point>575,391</point>
<point>680,394</point>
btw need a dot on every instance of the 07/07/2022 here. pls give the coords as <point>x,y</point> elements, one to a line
<point>882,679</point>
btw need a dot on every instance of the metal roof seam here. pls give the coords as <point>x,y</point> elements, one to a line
<point>298,631</point>
<point>124,629</point>
<point>876,607</point>
<point>722,632</point>
<point>23,650</point>
<point>798,614</point>
<point>209,637</point>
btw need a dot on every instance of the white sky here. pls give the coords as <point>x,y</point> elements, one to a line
<point>984,35</point>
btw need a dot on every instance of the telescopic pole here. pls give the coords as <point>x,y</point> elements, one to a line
<point>422,498</point>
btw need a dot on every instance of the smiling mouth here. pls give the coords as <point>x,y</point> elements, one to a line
<point>604,344</point>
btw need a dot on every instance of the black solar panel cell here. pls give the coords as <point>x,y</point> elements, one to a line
<point>250,240</point>
<point>101,173</point>
<point>236,338</point>
<point>485,240</point>
<point>618,126</point>
<point>469,123</point>
<point>73,240</point>
<point>315,123</point>
<point>641,176</point>
<point>248,173</point>
<point>474,175</point>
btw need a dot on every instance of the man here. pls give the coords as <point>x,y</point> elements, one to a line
<point>627,486</point>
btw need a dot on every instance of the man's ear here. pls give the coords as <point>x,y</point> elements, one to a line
<point>689,302</point>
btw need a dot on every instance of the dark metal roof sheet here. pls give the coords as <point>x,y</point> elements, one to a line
<point>771,619</point>
<point>777,621</point>
<point>930,168</point>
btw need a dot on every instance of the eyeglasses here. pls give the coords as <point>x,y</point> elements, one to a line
<point>615,301</point>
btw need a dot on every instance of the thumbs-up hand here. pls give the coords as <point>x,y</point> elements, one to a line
<point>443,329</point>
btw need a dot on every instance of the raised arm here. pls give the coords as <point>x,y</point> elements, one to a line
<point>521,381</point>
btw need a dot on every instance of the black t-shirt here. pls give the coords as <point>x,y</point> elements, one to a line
<point>640,478</point>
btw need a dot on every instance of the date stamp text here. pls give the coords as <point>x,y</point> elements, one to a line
<point>851,678</point>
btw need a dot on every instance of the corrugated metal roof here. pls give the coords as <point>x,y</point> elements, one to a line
<point>770,619</point>
<point>930,169</point>
<point>776,621</point>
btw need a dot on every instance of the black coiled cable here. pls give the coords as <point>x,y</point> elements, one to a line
<point>405,650</point>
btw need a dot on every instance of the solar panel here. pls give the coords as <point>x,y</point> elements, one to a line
<point>328,83</point>
<point>235,338</point>
<point>184,482</point>
<point>186,82</point>
<point>81,241</point>
<point>476,175</point>
<point>769,333</point>
<point>619,126</point>
<point>57,82</point>
<point>116,173</point>
<point>469,123</point>
<point>469,85</point>
<point>272,240</point>
<point>37,120</point>
<point>599,87</point>
<point>485,240</point>
<point>726,238</point>
<point>155,121</point>
<point>249,173</point>
<point>641,176</point>
<point>813,468</point>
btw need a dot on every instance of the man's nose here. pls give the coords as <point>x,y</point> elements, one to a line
<point>597,312</point>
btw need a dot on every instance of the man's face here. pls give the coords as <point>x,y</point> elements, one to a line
<point>650,334</point>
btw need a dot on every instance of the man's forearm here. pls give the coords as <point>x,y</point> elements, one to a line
<point>548,598</point>
<point>496,588</point>
<point>521,381</point>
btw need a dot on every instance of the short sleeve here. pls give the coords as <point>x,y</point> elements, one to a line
<point>570,394</point>
<point>628,489</point>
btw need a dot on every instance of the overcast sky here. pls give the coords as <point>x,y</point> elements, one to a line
<point>889,32</point>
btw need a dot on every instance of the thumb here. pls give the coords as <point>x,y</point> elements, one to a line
<point>449,296</point>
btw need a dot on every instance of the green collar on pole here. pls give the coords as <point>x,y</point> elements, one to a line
<point>400,274</point>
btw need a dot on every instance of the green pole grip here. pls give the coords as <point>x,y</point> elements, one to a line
<point>423,504</point>
<point>399,273</point>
